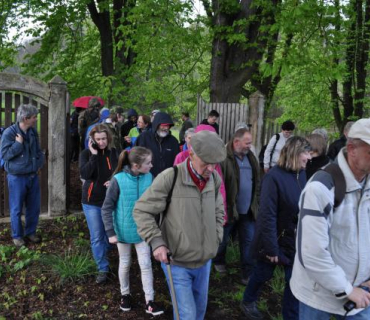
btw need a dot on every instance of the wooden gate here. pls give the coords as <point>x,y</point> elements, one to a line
<point>51,100</point>
<point>232,114</point>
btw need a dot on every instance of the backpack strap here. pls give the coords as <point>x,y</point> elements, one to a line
<point>273,148</point>
<point>169,196</point>
<point>339,183</point>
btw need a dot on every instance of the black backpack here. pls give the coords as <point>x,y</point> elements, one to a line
<point>261,155</point>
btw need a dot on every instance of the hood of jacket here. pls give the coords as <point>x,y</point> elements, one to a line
<point>131,113</point>
<point>160,118</point>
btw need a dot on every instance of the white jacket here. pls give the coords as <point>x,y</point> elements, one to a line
<point>333,249</point>
<point>275,156</point>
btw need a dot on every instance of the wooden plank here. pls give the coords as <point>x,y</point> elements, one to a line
<point>2,172</point>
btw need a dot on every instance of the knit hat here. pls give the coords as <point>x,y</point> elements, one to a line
<point>360,130</point>
<point>209,147</point>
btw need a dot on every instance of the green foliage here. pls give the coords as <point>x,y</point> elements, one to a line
<point>72,265</point>
<point>232,253</point>
<point>277,283</point>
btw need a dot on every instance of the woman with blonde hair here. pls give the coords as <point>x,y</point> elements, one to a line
<point>97,164</point>
<point>274,239</point>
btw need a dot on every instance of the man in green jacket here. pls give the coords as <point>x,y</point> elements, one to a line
<point>242,183</point>
<point>192,228</point>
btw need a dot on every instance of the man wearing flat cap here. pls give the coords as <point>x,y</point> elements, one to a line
<point>192,228</point>
<point>332,262</point>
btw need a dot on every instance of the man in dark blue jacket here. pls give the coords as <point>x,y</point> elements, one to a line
<point>164,146</point>
<point>23,159</point>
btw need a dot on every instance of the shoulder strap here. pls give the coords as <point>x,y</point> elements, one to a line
<point>277,136</point>
<point>339,183</point>
<point>169,196</point>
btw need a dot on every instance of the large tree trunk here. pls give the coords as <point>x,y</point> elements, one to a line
<point>235,62</point>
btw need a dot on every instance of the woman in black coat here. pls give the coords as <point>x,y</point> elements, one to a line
<point>97,164</point>
<point>274,240</point>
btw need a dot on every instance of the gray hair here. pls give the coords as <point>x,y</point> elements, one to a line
<point>322,132</point>
<point>190,131</point>
<point>242,125</point>
<point>26,111</point>
<point>347,127</point>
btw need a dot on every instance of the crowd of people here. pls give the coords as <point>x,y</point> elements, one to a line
<point>182,198</point>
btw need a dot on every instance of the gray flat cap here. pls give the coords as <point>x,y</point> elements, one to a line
<point>209,147</point>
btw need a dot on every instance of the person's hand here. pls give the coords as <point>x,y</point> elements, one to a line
<point>274,259</point>
<point>92,150</point>
<point>360,297</point>
<point>128,139</point>
<point>19,138</point>
<point>266,169</point>
<point>160,254</point>
<point>107,183</point>
<point>113,240</point>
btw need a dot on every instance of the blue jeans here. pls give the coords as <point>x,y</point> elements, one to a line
<point>308,313</point>
<point>98,237</point>
<point>264,271</point>
<point>24,189</point>
<point>245,227</point>
<point>191,288</point>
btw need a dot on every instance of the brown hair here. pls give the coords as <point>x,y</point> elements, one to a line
<point>146,119</point>
<point>99,128</point>
<point>317,143</point>
<point>136,155</point>
<point>289,155</point>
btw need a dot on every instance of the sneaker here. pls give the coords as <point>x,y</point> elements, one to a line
<point>125,302</point>
<point>220,268</point>
<point>251,311</point>
<point>18,242</point>
<point>101,277</point>
<point>153,309</point>
<point>33,238</point>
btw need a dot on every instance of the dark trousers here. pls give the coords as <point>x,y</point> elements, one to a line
<point>245,227</point>
<point>263,272</point>
<point>74,147</point>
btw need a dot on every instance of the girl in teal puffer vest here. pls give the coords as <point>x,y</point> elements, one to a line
<point>126,187</point>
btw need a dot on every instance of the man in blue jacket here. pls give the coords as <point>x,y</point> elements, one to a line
<point>23,159</point>
<point>163,145</point>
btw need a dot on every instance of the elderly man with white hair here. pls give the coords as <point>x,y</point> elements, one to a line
<point>332,262</point>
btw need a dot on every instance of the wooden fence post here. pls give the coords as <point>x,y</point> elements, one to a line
<point>57,147</point>
<point>256,109</point>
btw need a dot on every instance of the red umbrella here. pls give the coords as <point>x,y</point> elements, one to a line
<point>83,102</point>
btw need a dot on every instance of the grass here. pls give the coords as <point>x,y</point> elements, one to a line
<point>72,265</point>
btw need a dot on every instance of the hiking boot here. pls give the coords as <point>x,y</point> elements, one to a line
<point>153,309</point>
<point>101,277</point>
<point>125,302</point>
<point>220,268</point>
<point>33,238</point>
<point>251,311</point>
<point>18,242</point>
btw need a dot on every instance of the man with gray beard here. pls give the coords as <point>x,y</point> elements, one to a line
<point>163,145</point>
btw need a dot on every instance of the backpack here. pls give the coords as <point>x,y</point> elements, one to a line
<point>261,155</point>
<point>339,182</point>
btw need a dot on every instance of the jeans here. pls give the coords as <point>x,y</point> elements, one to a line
<point>191,288</point>
<point>145,263</point>
<point>24,189</point>
<point>98,237</point>
<point>245,227</point>
<point>264,271</point>
<point>307,313</point>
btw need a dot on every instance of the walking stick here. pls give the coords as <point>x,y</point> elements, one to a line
<point>172,288</point>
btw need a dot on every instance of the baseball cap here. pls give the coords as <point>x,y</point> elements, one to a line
<point>208,146</point>
<point>360,130</point>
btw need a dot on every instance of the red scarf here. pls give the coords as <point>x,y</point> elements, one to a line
<point>199,182</point>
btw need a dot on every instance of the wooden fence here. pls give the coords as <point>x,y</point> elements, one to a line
<point>9,102</point>
<point>230,115</point>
